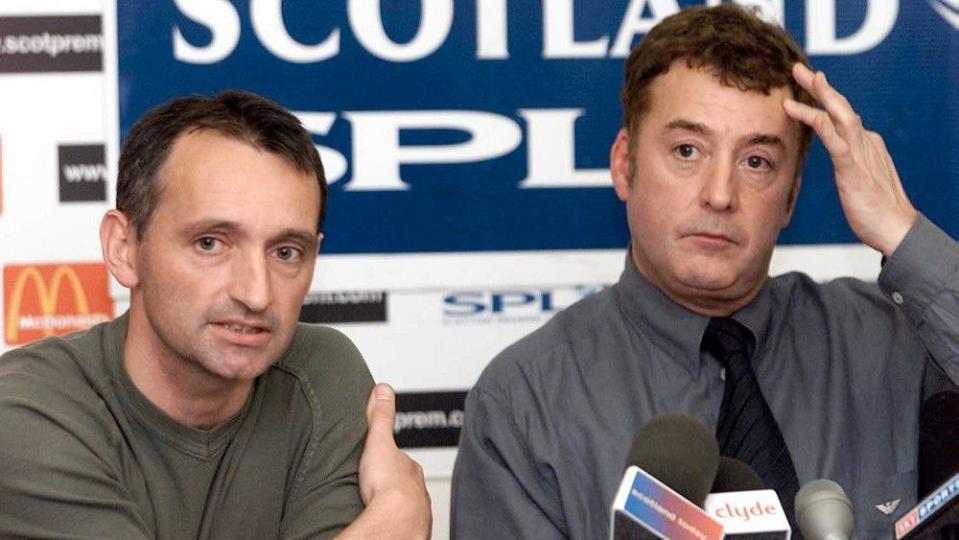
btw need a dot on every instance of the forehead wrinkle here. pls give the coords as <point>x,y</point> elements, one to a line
<point>681,124</point>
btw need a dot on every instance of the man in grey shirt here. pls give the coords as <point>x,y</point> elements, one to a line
<point>719,108</point>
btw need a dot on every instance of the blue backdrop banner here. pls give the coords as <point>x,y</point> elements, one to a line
<point>486,125</point>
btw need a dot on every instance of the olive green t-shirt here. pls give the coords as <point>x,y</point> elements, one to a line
<point>85,455</point>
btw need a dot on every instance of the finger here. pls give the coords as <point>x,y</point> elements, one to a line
<point>822,124</point>
<point>381,415</point>
<point>847,123</point>
<point>880,145</point>
<point>804,76</point>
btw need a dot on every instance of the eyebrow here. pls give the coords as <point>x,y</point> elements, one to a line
<point>765,139</point>
<point>686,125</point>
<point>306,238</point>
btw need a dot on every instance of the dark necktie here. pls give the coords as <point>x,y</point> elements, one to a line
<point>747,430</point>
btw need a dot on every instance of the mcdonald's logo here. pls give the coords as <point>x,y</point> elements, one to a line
<point>53,299</point>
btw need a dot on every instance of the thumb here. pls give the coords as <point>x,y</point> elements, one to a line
<point>380,415</point>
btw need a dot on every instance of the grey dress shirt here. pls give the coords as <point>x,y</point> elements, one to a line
<point>551,419</point>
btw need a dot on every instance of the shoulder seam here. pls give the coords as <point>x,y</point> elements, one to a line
<point>313,402</point>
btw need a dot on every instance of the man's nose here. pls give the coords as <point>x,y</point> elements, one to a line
<point>719,190</point>
<point>250,282</point>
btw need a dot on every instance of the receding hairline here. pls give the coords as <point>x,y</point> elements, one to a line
<point>244,116</point>
<point>709,70</point>
<point>743,50</point>
<point>159,181</point>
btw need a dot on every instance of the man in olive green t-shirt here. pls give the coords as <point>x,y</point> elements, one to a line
<point>207,410</point>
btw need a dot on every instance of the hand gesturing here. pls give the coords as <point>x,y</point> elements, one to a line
<point>873,200</point>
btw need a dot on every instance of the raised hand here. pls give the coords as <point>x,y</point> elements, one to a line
<point>873,200</point>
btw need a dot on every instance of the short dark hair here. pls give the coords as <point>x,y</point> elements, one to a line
<point>260,122</point>
<point>729,41</point>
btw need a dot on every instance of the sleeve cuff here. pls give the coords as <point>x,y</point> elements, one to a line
<point>926,260</point>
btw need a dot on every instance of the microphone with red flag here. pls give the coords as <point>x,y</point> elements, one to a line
<point>671,467</point>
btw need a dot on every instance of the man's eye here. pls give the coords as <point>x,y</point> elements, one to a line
<point>757,162</point>
<point>287,253</point>
<point>685,151</point>
<point>207,243</point>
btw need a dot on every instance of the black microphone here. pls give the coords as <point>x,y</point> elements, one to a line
<point>734,475</point>
<point>823,511</point>
<point>671,466</point>
<point>938,440</point>
<point>935,518</point>
<point>680,452</point>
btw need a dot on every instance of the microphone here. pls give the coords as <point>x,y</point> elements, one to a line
<point>742,504</point>
<point>734,475</point>
<point>670,468</point>
<point>823,512</point>
<point>935,518</point>
<point>938,440</point>
<point>680,452</point>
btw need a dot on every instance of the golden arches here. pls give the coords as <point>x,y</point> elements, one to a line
<point>47,295</point>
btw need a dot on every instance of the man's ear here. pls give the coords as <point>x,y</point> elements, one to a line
<point>793,197</point>
<point>319,242</point>
<point>119,244</point>
<point>619,165</point>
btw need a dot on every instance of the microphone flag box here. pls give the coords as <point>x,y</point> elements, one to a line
<point>928,509</point>
<point>653,510</point>
<point>749,515</point>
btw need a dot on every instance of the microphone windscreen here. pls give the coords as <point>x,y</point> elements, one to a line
<point>678,451</point>
<point>938,440</point>
<point>823,511</point>
<point>734,475</point>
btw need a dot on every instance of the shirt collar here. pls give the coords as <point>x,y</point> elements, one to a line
<point>756,316</point>
<point>676,329</point>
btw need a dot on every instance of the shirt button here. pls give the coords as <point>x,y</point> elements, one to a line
<point>897,298</point>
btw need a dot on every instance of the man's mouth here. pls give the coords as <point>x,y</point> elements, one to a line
<point>244,333</point>
<point>242,329</point>
<point>711,236</point>
<point>712,241</point>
